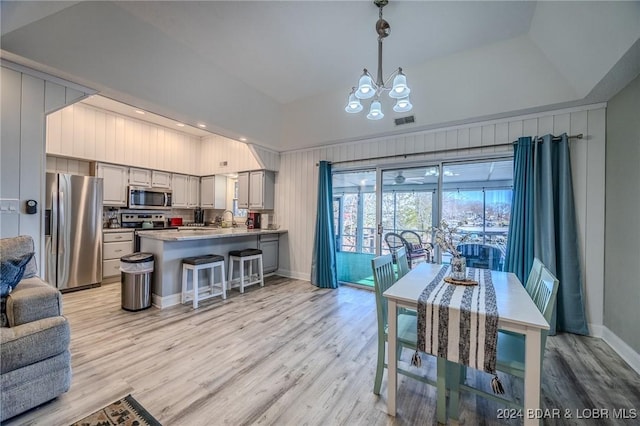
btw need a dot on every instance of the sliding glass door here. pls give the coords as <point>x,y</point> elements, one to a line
<point>373,208</point>
<point>354,207</point>
<point>408,205</point>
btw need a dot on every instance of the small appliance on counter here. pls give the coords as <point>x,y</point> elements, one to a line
<point>198,215</point>
<point>253,220</point>
<point>175,221</point>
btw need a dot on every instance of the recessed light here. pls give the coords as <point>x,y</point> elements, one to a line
<point>243,139</point>
<point>202,126</point>
<point>139,112</point>
<point>180,124</point>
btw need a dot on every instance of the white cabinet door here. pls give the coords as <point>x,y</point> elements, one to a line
<point>180,190</point>
<point>160,179</point>
<point>256,192</point>
<point>207,192</point>
<point>220,192</point>
<point>243,190</point>
<point>194,191</point>
<point>139,177</point>
<point>269,247</point>
<point>115,179</point>
<point>261,190</point>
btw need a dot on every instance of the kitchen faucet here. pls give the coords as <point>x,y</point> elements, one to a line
<point>233,220</point>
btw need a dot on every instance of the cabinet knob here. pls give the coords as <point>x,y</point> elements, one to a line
<point>118,251</point>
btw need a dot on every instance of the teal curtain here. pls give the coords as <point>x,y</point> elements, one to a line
<point>520,243</point>
<point>323,265</point>
<point>556,236</point>
<point>543,224</point>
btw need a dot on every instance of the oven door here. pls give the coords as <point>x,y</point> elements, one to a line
<point>149,198</point>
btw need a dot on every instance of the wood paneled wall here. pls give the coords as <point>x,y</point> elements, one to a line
<point>296,184</point>
<point>27,96</point>
<point>218,149</point>
<point>86,133</point>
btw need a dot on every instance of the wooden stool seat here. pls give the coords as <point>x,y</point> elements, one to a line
<point>244,256</point>
<point>196,264</point>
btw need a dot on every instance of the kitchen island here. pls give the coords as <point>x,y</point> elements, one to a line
<point>170,247</point>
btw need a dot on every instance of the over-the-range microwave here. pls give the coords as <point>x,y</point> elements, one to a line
<point>149,198</point>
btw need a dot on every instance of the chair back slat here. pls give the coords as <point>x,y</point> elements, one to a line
<point>383,278</point>
<point>402,262</point>
<point>533,281</point>
<point>545,298</point>
<point>482,256</point>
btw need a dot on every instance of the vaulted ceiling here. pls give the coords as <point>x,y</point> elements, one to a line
<point>279,72</point>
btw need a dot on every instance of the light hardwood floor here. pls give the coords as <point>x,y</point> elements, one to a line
<point>288,354</point>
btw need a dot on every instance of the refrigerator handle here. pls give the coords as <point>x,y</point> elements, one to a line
<point>61,220</point>
<point>54,223</point>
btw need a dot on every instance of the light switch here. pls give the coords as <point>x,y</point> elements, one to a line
<point>9,206</point>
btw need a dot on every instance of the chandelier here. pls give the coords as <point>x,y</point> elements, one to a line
<point>368,89</point>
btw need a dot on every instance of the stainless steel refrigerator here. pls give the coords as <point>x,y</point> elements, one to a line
<point>73,231</point>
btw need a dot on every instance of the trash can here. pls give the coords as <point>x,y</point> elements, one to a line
<point>136,273</point>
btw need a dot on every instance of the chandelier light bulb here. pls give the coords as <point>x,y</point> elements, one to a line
<point>365,87</point>
<point>375,112</point>
<point>403,105</point>
<point>354,104</point>
<point>400,88</point>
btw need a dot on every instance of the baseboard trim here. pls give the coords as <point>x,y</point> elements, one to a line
<point>295,275</point>
<point>596,330</point>
<point>625,351</point>
<point>166,301</point>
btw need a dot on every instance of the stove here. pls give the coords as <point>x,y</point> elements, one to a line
<point>140,221</point>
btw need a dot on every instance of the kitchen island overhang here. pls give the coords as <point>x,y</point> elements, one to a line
<point>170,247</point>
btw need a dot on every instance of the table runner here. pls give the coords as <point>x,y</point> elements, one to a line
<point>460,323</point>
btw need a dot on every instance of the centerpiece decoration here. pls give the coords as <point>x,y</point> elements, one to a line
<point>445,235</point>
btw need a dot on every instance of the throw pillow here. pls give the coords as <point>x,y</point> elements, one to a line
<point>11,272</point>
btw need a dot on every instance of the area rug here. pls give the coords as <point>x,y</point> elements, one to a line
<point>126,411</point>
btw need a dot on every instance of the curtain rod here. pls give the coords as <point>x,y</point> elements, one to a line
<point>412,154</point>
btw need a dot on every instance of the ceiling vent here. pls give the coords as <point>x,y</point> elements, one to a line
<point>405,120</point>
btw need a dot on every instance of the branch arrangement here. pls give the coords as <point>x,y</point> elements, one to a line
<point>444,237</point>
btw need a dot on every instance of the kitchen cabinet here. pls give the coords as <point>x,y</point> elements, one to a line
<point>139,177</point>
<point>115,181</point>
<point>243,190</point>
<point>256,190</point>
<point>180,190</point>
<point>114,246</point>
<point>160,179</point>
<point>261,190</point>
<point>213,192</point>
<point>194,192</point>
<point>269,244</point>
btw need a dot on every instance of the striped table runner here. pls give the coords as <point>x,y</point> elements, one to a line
<point>460,323</point>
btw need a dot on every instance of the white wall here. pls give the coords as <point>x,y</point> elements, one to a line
<point>622,257</point>
<point>296,184</point>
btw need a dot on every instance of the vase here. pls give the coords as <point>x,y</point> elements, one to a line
<point>459,268</point>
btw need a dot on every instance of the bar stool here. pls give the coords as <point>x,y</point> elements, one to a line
<point>242,256</point>
<point>199,263</point>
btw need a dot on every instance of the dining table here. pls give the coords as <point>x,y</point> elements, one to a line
<point>516,313</point>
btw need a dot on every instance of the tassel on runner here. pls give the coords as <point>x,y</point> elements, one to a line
<point>416,360</point>
<point>496,385</point>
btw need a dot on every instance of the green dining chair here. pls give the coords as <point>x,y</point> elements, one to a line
<point>383,278</point>
<point>534,277</point>
<point>402,262</point>
<point>511,347</point>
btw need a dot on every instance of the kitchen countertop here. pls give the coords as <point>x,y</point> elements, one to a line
<point>206,233</point>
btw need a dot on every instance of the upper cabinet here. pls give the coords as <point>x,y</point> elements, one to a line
<point>243,190</point>
<point>256,190</point>
<point>180,190</point>
<point>213,192</point>
<point>140,177</point>
<point>194,192</point>
<point>160,179</point>
<point>115,180</point>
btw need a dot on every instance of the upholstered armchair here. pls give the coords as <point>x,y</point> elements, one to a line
<point>34,349</point>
